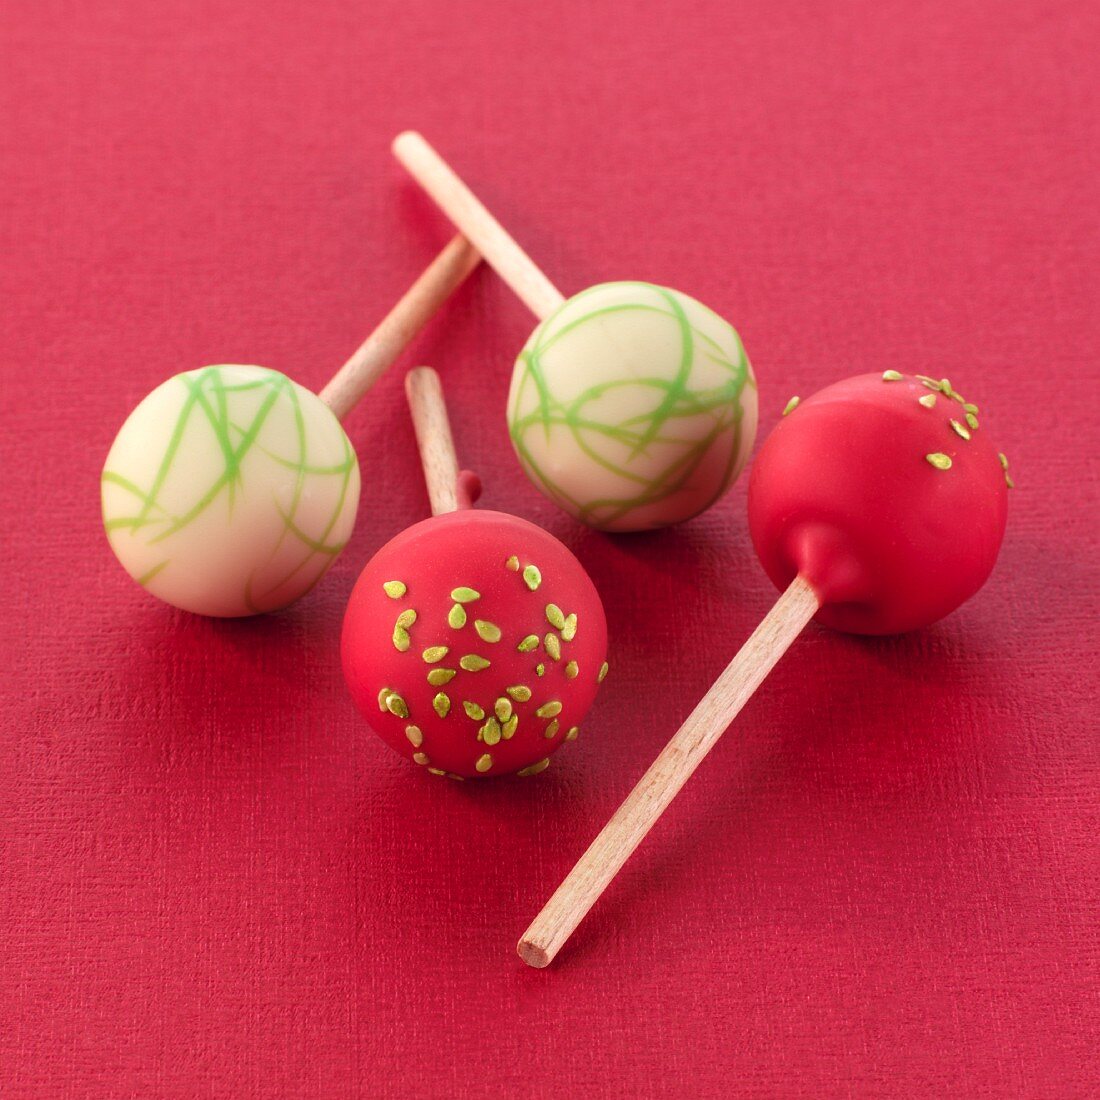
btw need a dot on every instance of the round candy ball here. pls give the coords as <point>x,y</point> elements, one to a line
<point>633,406</point>
<point>229,491</point>
<point>887,494</point>
<point>474,644</point>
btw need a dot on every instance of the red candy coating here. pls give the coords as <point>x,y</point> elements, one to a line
<point>526,585</point>
<point>843,492</point>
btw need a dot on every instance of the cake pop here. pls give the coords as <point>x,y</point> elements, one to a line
<point>474,642</point>
<point>878,505</point>
<point>230,490</point>
<point>632,406</point>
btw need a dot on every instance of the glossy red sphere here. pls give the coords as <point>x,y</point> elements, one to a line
<point>849,491</point>
<point>474,643</point>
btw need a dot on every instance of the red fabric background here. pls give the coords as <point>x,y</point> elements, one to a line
<point>883,881</point>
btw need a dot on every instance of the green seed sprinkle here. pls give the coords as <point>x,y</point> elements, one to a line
<point>490,733</point>
<point>1008,480</point>
<point>971,407</point>
<point>421,758</point>
<point>396,705</point>
<point>502,708</point>
<point>972,420</point>
<point>415,736</point>
<point>437,771</point>
<point>571,670</point>
<point>540,669</point>
<point>383,695</point>
<point>435,653</point>
<point>603,673</point>
<point>931,383</point>
<point>460,778</point>
<point>484,762</point>
<point>512,563</point>
<point>945,385</point>
<point>928,400</point>
<point>401,639</point>
<point>437,677</point>
<point>569,629</point>
<point>534,769</point>
<point>509,727</point>
<point>1003,461</point>
<point>487,631</point>
<point>441,704</point>
<point>553,647</point>
<point>554,616</point>
<point>532,577</point>
<point>519,692</point>
<point>394,589</point>
<point>456,617</point>
<point>939,460</point>
<point>550,730</point>
<point>528,643</point>
<point>891,376</point>
<point>406,618</point>
<point>549,710</point>
<point>473,663</point>
<point>791,405</point>
<point>465,595</point>
<point>959,430</point>
<point>573,734</point>
<point>473,711</point>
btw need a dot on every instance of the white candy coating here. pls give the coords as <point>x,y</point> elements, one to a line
<point>229,491</point>
<point>633,406</point>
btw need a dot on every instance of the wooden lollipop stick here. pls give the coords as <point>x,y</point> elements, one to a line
<point>668,773</point>
<point>440,279</point>
<point>469,215</point>
<point>433,438</point>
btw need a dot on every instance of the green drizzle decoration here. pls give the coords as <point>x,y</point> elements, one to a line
<point>473,663</point>
<point>441,704</point>
<point>939,460</point>
<point>791,405</point>
<point>456,617</point>
<point>487,631</point>
<point>395,589</point>
<point>465,595</point>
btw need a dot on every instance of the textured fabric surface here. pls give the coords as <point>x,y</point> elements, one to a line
<point>215,881</point>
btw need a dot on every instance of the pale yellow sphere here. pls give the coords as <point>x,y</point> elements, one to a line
<point>229,491</point>
<point>633,406</point>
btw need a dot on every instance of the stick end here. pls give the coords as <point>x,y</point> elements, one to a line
<point>533,955</point>
<point>405,141</point>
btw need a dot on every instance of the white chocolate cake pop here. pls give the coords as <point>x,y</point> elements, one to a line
<point>633,406</point>
<point>230,490</point>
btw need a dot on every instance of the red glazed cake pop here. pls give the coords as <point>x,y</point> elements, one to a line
<point>884,492</point>
<point>474,642</point>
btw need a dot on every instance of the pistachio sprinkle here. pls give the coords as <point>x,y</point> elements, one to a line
<point>928,400</point>
<point>437,771</point>
<point>791,405</point>
<point>1003,461</point>
<point>892,376</point>
<point>532,577</point>
<point>571,670</point>
<point>465,595</point>
<point>512,563</point>
<point>528,643</point>
<point>519,692</point>
<point>437,677</point>
<point>603,673</point>
<point>473,711</point>
<point>549,710</point>
<point>484,762</point>
<point>406,618</point>
<point>401,639</point>
<point>490,733</point>
<point>502,708</point>
<point>573,733</point>
<point>972,420</point>
<point>509,727</point>
<point>421,758</point>
<point>554,616</point>
<point>569,627</point>
<point>394,589</point>
<point>441,704</point>
<point>534,769</point>
<point>970,407</point>
<point>931,383</point>
<point>540,669</point>
<point>553,647</point>
<point>456,617</point>
<point>959,430</point>
<point>473,663</point>
<point>939,460</point>
<point>1008,480</point>
<point>383,695</point>
<point>487,631</point>
<point>434,654</point>
<point>415,736</point>
<point>396,705</point>
<point>551,729</point>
